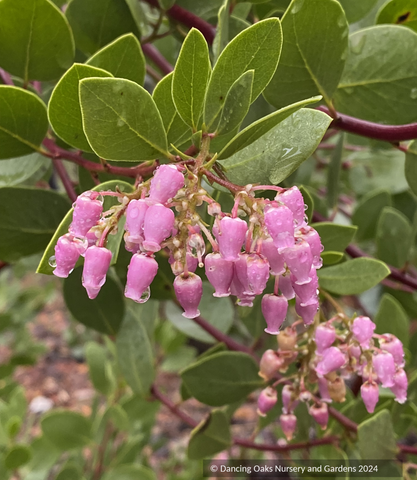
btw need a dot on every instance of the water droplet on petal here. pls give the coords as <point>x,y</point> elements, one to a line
<point>52,261</point>
<point>145,296</point>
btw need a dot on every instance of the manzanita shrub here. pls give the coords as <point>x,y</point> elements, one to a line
<point>244,217</point>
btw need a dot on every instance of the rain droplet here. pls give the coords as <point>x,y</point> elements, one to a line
<point>297,7</point>
<point>305,207</point>
<point>357,43</point>
<point>413,93</point>
<point>145,296</point>
<point>52,261</point>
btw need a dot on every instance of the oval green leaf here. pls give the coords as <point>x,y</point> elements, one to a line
<point>98,367</point>
<point>355,10</point>
<point>17,456</point>
<point>367,212</point>
<point>399,12</point>
<point>18,170</point>
<point>376,437</point>
<point>335,237</point>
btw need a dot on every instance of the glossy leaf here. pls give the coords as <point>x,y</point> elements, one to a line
<point>28,219</point>
<point>410,166</point>
<point>98,367</point>
<point>335,237</point>
<point>23,122</point>
<point>380,76</point>
<point>399,12</point>
<point>66,430</point>
<point>278,153</point>
<point>228,377</point>
<point>392,318</point>
<point>64,109</point>
<point>393,237</point>
<point>313,53</point>
<point>333,173</point>
<point>62,228</point>
<point>134,353</point>
<point>353,277</point>
<point>355,10</point>
<point>367,212</point>
<point>96,23</point>
<point>17,456</point>
<point>331,258</point>
<point>191,75</point>
<point>123,58</point>
<point>35,38</point>
<point>376,438</point>
<point>18,170</point>
<point>257,48</point>
<point>211,436</point>
<point>104,313</point>
<point>176,129</point>
<point>120,120</point>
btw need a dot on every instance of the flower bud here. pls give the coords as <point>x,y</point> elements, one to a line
<point>299,260</point>
<point>269,365</point>
<point>332,359</point>
<point>293,199</point>
<point>91,238</point>
<point>324,337</point>
<point>87,212</point>
<point>363,329</point>
<point>287,339</point>
<point>266,401</point>
<point>324,390</point>
<point>96,263</point>
<point>307,293</point>
<point>231,236</point>
<point>274,309</point>
<point>320,414</point>
<point>337,390</point>
<point>393,345</point>
<point>286,287</point>
<point>310,235</point>
<point>189,291</point>
<point>306,312</point>
<point>275,259</point>
<point>257,274</point>
<point>165,183</point>
<point>279,222</point>
<point>158,225</point>
<point>214,208</point>
<point>288,422</point>
<point>67,252</point>
<point>384,367</point>
<point>370,395</point>
<point>246,300</point>
<point>219,273</point>
<point>135,218</point>
<point>399,389</point>
<point>140,274</point>
<point>289,402</point>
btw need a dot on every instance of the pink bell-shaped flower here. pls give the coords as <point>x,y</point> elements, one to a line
<point>270,364</point>
<point>135,219</point>
<point>87,212</point>
<point>91,238</point>
<point>96,264</point>
<point>158,225</point>
<point>274,309</point>
<point>165,183</point>
<point>266,401</point>
<point>320,413</point>
<point>286,286</point>
<point>370,395</point>
<point>231,236</point>
<point>288,422</point>
<point>67,252</point>
<point>324,390</point>
<point>275,259</point>
<point>189,290</point>
<point>219,273</point>
<point>279,222</point>
<point>306,312</point>
<point>289,402</point>
<point>390,343</point>
<point>384,367</point>
<point>324,337</point>
<point>307,293</point>
<point>310,235</point>
<point>399,389</point>
<point>332,359</point>
<point>299,260</point>
<point>140,274</point>
<point>246,300</point>
<point>293,199</point>
<point>363,329</point>
<point>257,274</point>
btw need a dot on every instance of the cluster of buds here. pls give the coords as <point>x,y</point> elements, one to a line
<point>330,353</point>
<point>275,239</point>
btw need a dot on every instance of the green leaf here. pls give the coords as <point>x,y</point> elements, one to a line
<point>399,12</point>
<point>64,109</point>
<point>121,120</point>
<point>222,31</point>
<point>17,456</point>
<point>123,58</point>
<point>308,200</point>
<point>367,213</point>
<point>218,313</point>
<point>335,237</point>
<point>62,229</point>
<point>104,313</point>
<point>45,456</point>
<point>134,354</point>
<point>355,10</point>
<point>410,166</point>
<point>380,76</point>
<point>191,75</point>
<point>18,170</point>
<point>35,38</point>
<point>130,472</point>
<point>333,173</point>
<point>393,237</point>
<point>28,219</point>
<point>66,429</point>
<point>228,377</point>
<point>96,23</point>
<point>176,129</point>
<point>23,121</point>
<point>212,435</point>
<point>353,277</point>
<point>331,258</point>
<point>262,126</point>
<point>313,54</point>
<point>392,318</point>
<point>98,367</point>
<point>278,153</point>
<point>376,438</point>
<point>257,48</point>
<point>69,472</point>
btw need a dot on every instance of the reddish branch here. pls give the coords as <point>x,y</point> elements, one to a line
<point>66,181</point>
<point>157,58</point>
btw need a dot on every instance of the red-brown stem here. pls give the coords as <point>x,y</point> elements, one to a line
<point>157,58</point>
<point>224,183</point>
<point>66,181</point>
<point>345,421</point>
<point>172,407</point>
